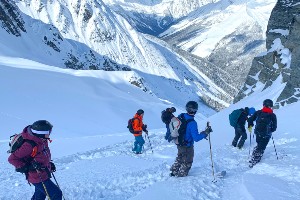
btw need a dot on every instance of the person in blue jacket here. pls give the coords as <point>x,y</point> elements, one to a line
<point>185,155</point>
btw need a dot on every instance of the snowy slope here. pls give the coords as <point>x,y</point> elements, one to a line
<point>92,148</point>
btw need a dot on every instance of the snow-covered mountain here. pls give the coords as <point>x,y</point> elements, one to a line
<point>87,35</point>
<point>220,37</point>
<point>227,34</point>
<point>281,60</point>
<point>91,145</point>
<point>155,16</point>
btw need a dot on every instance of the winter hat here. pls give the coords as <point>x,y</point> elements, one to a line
<point>140,111</point>
<point>251,111</point>
<point>41,127</point>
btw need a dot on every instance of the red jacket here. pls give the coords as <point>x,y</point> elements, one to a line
<point>43,156</point>
<point>137,125</point>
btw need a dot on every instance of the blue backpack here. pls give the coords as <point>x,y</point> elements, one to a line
<point>234,117</point>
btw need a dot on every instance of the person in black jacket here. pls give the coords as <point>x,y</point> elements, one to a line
<point>240,131</point>
<point>266,124</point>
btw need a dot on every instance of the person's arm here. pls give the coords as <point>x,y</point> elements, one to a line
<point>252,119</point>
<point>194,132</point>
<point>17,157</point>
<point>274,123</point>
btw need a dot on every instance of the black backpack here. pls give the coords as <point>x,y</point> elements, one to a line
<point>166,116</point>
<point>182,129</point>
<point>263,124</point>
<point>130,126</point>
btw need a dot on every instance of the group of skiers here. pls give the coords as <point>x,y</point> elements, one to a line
<point>33,157</point>
<point>266,123</point>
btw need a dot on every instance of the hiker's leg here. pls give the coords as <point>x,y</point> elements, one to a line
<point>243,138</point>
<point>178,162</point>
<point>236,137</point>
<point>188,157</point>
<point>259,149</point>
<point>140,142</point>
<point>135,144</point>
<point>53,191</point>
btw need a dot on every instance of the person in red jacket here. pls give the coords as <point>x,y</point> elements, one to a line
<point>138,128</point>
<point>37,167</point>
<point>266,124</point>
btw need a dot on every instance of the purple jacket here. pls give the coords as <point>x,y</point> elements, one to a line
<point>43,156</point>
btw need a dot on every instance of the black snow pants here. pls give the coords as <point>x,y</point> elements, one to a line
<point>240,132</point>
<point>259,150</point>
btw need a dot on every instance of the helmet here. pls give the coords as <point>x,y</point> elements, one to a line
<point>268,103</point>
<point>41,127</point>
<point>251,111</point>
<point>191,107</point>
<point>140,111</point>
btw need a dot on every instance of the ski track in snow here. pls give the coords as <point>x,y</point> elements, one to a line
<point>95,174</point>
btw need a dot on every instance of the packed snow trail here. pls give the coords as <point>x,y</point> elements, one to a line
<point>113,172</point>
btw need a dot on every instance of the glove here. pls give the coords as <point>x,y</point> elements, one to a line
<point>53,167</point>
<point>36,166</point>
<point>24,169</point>
<point>145,127</point>
<point>250,129</point>
<point>208,130</point>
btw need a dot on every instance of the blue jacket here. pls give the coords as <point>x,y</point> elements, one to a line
<point>192,135</point>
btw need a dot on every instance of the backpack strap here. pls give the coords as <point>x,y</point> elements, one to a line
<point>34,147</point>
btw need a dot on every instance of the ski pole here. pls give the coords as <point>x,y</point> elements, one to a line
<point>275,147</point>
<point>44,186</point>
<point>58,185</point>
<point>250,143</point>
<point>149,141</point>
<point>212,163</point>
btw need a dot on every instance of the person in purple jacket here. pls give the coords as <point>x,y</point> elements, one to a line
<point>33,159</point>
<point>185,155</point>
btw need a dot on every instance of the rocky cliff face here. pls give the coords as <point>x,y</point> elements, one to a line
<point>282,60</point>
<point>10,18</point>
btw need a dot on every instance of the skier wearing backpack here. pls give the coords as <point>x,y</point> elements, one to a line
<point>138,128</point>
<point>240,131</point>
<point>266,124</point>
<point>185,155</point>
<point>35,162</point>
<point>166,116</point>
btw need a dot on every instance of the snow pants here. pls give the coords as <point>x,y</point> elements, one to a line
<point>183,162</point>
<point>240,132</point>
<point>53,191</point>
<point>138,144</point>
<point>258,151</point>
